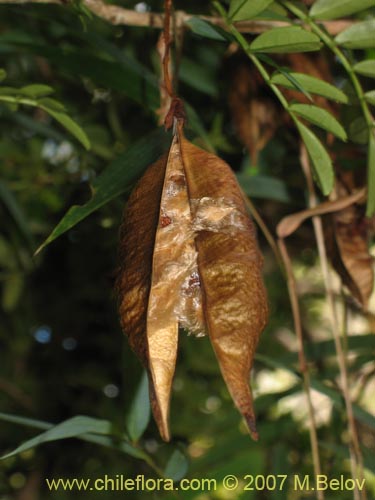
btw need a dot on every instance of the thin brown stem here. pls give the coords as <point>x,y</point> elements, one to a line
<point>356,459</point>
<point>263,227</point>
<point>292,288</point>
<point>167,47</point>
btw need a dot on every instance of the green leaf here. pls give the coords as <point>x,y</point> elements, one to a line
<point>123,446</point>
<point>28,422</point>
<point>72,427</point>
<point>334,9</point>
<point>288,39</point>
<point>310,84</point>
<point>242,10</point>
<point>370,97</point>
<point>358,36</point>
<point>371,176</point>
<point>366,68</point>
<point>3,74</point>
<point>140,411</point>
<point>321,162</point>
<point>51,104</point>
<point>206,29</point>
<point>320,117</point>
<point>36,90</point>
<point>177,466</point>
<point>116,179</point>
<point>70,125</point>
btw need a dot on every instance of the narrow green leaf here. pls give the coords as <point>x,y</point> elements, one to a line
<point>52,104</point>
<point>271,15</point>
<point>72,427</point>
<point>370,97</point>
<point>310,84</point>
<point>36,90</point>
<point>295,84</point>
<point>3,74</point>
<point>117,178</point>
<point>334,9</point>
<point>358,36</point>
<point>371,176</point>
<point>320,117</point>
<point>288,39</point>
<point>70,125</point>
<point>140,411</point>
<point>242,10</point>
<point>27,422</point>
<point>123,446</point>
<point>177,466</point>
<point>321,162</point>
<point>366,68</point>
<point>206,29</point>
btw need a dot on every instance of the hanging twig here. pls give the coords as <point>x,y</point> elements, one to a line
<point>266,232</point>
<point>176,110</point>
<point>167,47</point>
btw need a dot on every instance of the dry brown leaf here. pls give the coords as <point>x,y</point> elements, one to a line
<point>347,233</point>
<point>347,238</point>
<point>291,223</point>
<point>189,259</point>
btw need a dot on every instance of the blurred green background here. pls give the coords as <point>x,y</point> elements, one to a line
<point>62,351</point>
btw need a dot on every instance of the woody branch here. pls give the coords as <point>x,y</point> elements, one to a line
<point>118,16</point>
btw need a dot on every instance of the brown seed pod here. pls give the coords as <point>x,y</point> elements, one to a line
<point>189,258</point>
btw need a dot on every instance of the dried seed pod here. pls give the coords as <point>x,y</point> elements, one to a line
<point>189,259</point>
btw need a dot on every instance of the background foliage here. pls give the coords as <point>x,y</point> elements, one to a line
<point>63,354</point>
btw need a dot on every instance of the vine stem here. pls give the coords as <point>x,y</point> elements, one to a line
<point>257,63</point>
<point>356,459</point>
<point>266,232</point>
<point>167,47</point>
<point>293,295</point>
<point>340,55</point>
<point>354,447</point>
<point>286,260</point>
<point>369,119</point>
